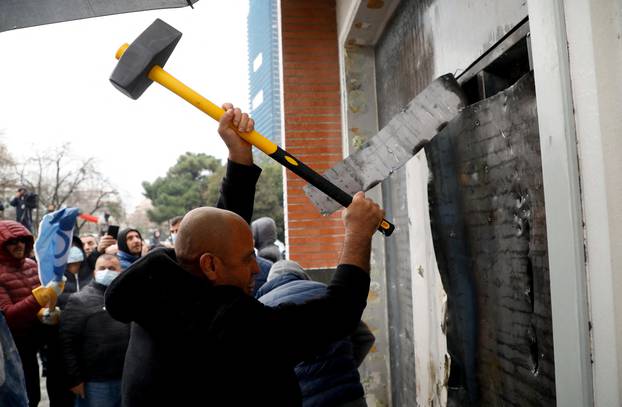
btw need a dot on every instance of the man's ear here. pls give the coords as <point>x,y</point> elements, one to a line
<point>207,262</point>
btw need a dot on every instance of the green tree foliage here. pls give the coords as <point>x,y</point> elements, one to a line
<point>195,181</point>
<point>182,188</point>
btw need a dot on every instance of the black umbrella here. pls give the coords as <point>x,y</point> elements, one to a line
<point>16,14</point>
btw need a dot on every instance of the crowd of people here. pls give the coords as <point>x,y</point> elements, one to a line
<point>212,316</point>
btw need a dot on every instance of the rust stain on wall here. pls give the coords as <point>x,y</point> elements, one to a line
<point>375,4</point>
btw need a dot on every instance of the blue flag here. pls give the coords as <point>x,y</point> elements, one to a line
<point>53,244</point>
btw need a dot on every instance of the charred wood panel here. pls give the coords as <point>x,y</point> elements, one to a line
<point>488,222</point>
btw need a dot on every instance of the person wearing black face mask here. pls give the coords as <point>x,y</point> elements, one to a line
<point>93,344</point>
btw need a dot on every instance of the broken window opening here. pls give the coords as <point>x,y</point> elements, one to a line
<point>500,67</point>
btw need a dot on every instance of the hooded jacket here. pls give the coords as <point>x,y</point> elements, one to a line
<point>264,233</point>
<point>124,255</point>
<point>330,377</point>
<point>17,280</point>
<point>196,344</point>
<point>75,282</point>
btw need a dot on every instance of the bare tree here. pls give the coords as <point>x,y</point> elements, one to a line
<point>61,179</point>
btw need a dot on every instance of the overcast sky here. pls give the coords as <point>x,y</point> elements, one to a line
<point>54,88</point>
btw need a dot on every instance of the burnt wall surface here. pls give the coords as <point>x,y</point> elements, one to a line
<point>488,223</point>
<point>404,67</point>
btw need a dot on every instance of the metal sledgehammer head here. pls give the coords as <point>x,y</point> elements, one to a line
<point>151,48</point>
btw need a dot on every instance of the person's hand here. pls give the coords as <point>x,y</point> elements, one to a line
<point>47,296</point>
<point>105,242</point>
<point>363,216</point>
<point>361,220</point>
<point>144,249</point>
<point>114,249</point>
<point>49,316</point>
<point>232,123</point>
<point>78,390</point>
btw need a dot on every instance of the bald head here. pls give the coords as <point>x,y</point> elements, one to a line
<point>207,230</point>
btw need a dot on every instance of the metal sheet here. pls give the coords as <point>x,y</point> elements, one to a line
<point>16,14</point>
<point>395,144</point>
<point>489,228</point>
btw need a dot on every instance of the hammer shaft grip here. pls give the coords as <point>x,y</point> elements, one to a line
<point>343,198</point>
<point>159,75</point>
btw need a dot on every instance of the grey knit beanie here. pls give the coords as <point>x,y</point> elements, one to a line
<point>287,266</point>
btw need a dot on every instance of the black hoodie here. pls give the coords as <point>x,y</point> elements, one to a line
<point>122,239</point>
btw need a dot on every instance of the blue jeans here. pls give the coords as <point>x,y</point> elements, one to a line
<point>100,394</point>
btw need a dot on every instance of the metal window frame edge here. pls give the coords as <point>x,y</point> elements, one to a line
<point>564,217</point>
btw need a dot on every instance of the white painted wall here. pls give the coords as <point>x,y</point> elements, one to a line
<point>428,295</point>
<point>463,30</point>
<point>594,31</point>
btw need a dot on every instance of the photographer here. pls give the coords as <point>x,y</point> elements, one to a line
<point>24,202</point>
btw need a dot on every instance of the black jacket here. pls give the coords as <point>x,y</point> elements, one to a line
<point>194,344</point>
<point>92,343</point>
<point>75,283</point>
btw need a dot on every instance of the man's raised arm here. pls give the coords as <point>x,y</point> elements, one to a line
<point>300,330</point>
<point>237,192</point>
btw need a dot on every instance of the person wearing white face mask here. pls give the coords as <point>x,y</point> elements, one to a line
<point>93,344</point>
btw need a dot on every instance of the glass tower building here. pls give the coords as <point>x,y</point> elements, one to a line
<point>263,67</point>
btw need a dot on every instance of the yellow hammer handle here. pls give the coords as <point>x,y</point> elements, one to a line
<point>159,75</point>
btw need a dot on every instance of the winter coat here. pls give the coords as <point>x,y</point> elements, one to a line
<point>13,384</point>
<point>262,276</point>
<point>75,282</point>
<point>194,344</point>
<point>23,210</point>
<point>17,280</point>
<point>126,259</point>
<point>329,378</point>
<point>92,343</point>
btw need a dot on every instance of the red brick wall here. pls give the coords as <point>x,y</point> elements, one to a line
<point>312,111</point>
